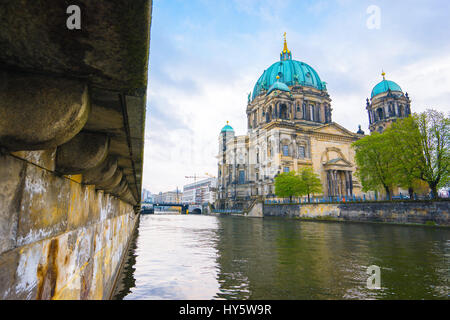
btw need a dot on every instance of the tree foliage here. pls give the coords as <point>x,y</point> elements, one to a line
<point>434,164</point>
<point>292,184</point>
<point>403,143</point>
<point>375,170</point>
<point>310,182</point>
<point>410,152</point>
<point>288,185</point>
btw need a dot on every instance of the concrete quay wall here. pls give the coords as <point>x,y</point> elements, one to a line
<point>404,212</point>
<point>59,239</point>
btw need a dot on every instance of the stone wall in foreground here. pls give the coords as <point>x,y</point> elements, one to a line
<point>59,239</point>
<point>420,212</point>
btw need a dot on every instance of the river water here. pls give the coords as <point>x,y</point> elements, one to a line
<point>232,257</point>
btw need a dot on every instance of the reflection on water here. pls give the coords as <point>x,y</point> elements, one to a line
<point>206,257</point>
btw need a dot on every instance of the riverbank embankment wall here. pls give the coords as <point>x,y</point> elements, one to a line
<point>405,212</point>
<point>59,239</point>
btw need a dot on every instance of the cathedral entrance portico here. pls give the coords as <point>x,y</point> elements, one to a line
<point>339,182</point>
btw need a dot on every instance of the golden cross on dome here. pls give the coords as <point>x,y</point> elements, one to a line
<point>285,48</point>
<point>383,74</point>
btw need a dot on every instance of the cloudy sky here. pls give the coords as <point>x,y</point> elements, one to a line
<point>206,55</point>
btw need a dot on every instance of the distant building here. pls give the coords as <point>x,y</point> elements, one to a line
<point>151,198</point>
<point>169,196</point>
<point>146,194</point>
<point>200,192</point>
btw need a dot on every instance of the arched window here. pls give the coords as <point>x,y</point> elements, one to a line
<point>380,113</point>
<point>283,112</point>
<point>301,152</point>
<point>401,113</point>
<point>241,177</point>
<point>285,150</point>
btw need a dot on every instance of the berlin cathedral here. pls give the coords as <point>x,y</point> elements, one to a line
<point>290,126</point>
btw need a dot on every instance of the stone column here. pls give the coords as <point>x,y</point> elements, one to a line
<point>351,182</point>
<point>329,185</point>
<point>333,183</point>
<point>336,183</point>
<point>347,183</point>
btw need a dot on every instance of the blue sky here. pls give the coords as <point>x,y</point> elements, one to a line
<point>206,55</point>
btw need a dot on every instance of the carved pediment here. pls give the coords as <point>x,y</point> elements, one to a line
<point>335,129</point>
<point>337,162</point>
<point>334,157</point>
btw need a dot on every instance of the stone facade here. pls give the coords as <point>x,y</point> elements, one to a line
<point>59,239</point>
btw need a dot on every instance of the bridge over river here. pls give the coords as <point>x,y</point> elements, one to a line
<point>186,208</point>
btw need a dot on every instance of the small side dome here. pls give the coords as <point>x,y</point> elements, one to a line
<point>227,128</point>
<point>385,86</point>
<point>278,86</point>
<point>360,131</point>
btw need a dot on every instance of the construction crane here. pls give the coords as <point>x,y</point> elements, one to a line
<point>195,177</point>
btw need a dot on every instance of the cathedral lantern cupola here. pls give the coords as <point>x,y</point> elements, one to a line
<point>286,53</point>
<point>226,134</point>
<point>387,104</point>
<point>227,129</point>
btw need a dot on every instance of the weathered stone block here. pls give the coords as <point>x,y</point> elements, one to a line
<point>44,206</point>
<point>102,172</point>
<point>9,262</point>
<point>78,212</point>
<point>42,158</point>
<point>12,176</point>
<point>85,151</point>
<point>41,112</point>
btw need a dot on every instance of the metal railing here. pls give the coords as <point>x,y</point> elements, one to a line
<point>342,199</point>
<point>227,211</point>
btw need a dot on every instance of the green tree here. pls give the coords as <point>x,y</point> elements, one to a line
<point>428,156</point>
<point>410,152</point>
<point>403,148</point>
<point>310,182</point>
<point>375,168</point>
<point>288,185</point>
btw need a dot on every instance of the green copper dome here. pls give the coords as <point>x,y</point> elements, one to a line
<point>289,72</point>
<point>384,86</point>
<point>227,128</point>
